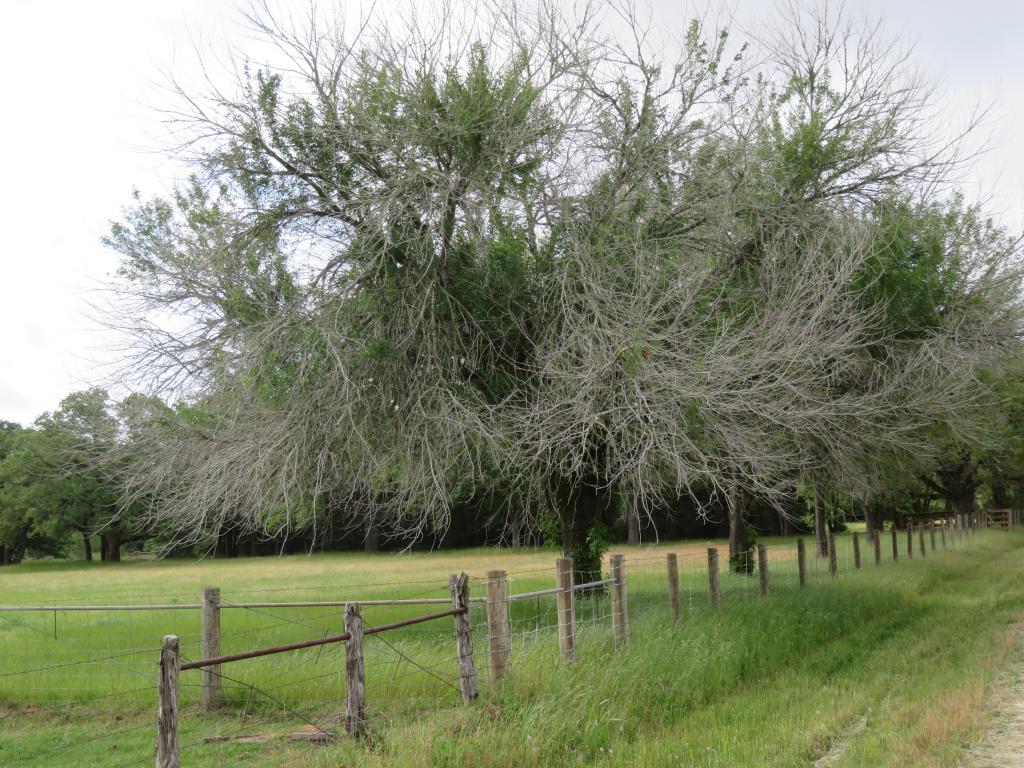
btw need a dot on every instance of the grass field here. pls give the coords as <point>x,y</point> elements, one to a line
<point>888,666</point>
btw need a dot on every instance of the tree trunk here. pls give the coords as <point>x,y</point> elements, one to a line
<point>581,506</point>
<point>739,542</point>
<point>870,524</point>
<point>372,540</point>
<point>633,521</point>
<point>110,546</point>
<point>227,542</point>
<point>820,525</point>
<point>87,546</point>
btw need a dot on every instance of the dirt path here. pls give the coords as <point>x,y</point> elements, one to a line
<point>1003,745</point>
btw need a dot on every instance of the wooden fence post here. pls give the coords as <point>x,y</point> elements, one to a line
<point>167,752</point>
<point>355,701</point>
<point>499,639</point>
<point>459,586</point>
<point>832,565</point>
<point>895,543</point>
<point>931,533</point>
<point>910,541</point>
<point>211,694</point>
<point>566,608</point>
<point>672,562</point>
<point>942,533</point>
<point>713,576</point>
<point>877,543</point>
<point>856,551</point>
<point>920,539</point>
<point>762,567</point>
<point>620,609</point>
<point>801,562</point>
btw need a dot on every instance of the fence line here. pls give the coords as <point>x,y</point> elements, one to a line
<point>408,669</point>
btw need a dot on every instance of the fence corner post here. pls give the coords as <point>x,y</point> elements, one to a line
<point>459,586</point>
<point>672,563</point>
<point>762,567</point>
<point>566,602</point>
<point>355,702</point>
<point>713,586</point>
<point>167,751</point>
<point>801,561</point>
<point>211,690</point>
<point>620,609</point>
<point>498,633</point>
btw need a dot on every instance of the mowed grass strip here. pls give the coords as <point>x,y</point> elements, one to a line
<point>888,666</point>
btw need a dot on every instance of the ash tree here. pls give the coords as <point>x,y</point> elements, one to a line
<point>523,252</point>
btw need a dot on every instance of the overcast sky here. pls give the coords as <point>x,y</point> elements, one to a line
<point>77,127</point>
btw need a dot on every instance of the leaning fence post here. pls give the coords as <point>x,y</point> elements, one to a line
<point>167,753</point>
<point>801,562</point>
<point>459,586</point>
<point>762,567</point>
<point>920,539</point>
<point>672,563</point>
<point>355,707</point>
<point>620,611</point>
<point>856,551</point>
<point>498,634</point>
<point>931,533</point>
<point>566,608</point>
<point>832,565</point>
<point>211,695</point>
<point>878,547</point>
<point>713,576</point>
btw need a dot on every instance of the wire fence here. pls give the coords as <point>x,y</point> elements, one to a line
<point>83,665</point>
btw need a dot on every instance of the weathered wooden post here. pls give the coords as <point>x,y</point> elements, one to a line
<point>920,539</point>
<point>895,543</point>
<point>211,693</point>
<point>762,567</point>
<point>167,752</point>
<point>832,565</point>
<point>620,610</point>
<point>931,533</point>
<point>499,637</point>
<point>713,576</point>
<point>355,702</point>
<point>856,551</point>
<point>910,541</point>
<point>566,608</point>
<point>801,562</point>
<point>877,543</point>
<point>459,587</point>
<point>942,533</point>
<point>672,563</point>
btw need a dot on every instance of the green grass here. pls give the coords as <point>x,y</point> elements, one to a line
<point>886,667</point>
